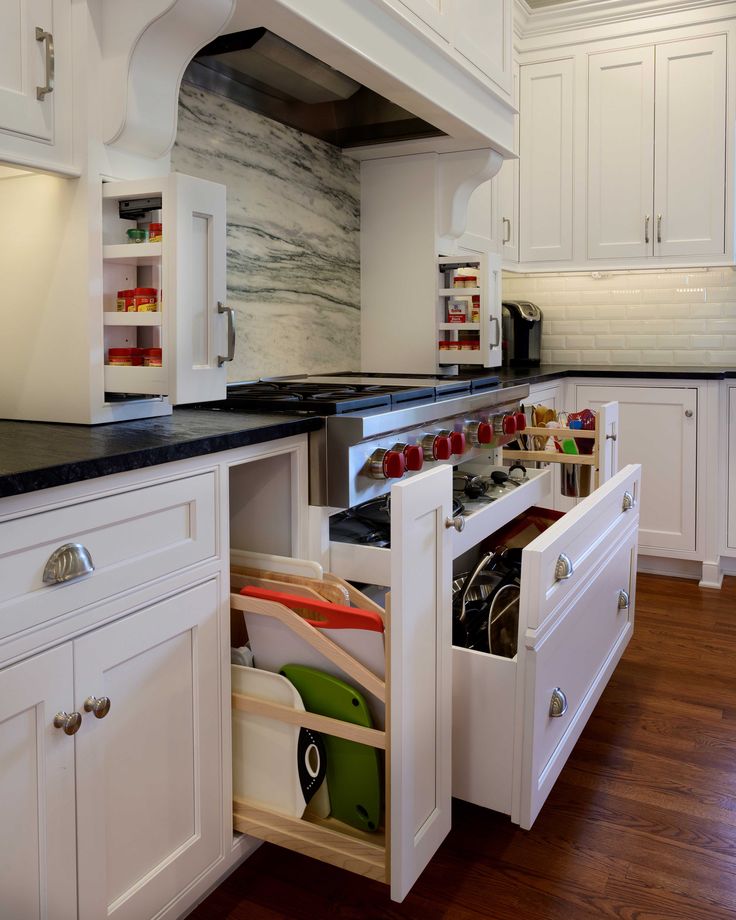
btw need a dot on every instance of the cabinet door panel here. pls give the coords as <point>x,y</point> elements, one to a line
<point>690,147</point>
<point>482,35</point>
<point>546,166</point>
<point>655,430</point>
<point>420,663</point>
<point>37,831</point>
<point>22,68</point>
<point>507,183</point>
<point>732,467</point>
<point>431,12</point>
<point>149,774</point>
<point>620,145</point>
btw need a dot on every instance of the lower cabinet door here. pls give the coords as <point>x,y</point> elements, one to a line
<point>149,770</point>
<point>577,604</point>
<point>37,832</point>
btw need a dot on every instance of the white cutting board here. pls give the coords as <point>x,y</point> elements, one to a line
<point>265,750</point>
<point>273,645</point>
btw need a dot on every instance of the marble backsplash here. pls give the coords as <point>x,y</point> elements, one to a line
<point>293,210</point>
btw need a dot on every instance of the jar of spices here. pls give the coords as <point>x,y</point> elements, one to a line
<point>145,300</point>
<point>155,233</point>
<point>124,301</point>
<point>119,357</point>
<point>475,309</point>
<point>136,236</point>
<point>152,357</point>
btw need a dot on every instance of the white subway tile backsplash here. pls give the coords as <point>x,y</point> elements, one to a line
<point>686,316</point>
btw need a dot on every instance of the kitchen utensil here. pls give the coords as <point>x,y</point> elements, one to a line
<point>336,594</point>
<point>359,632</point>
<point>282,564</point>
<point>353,770</point>
<point>503,621</point>
<point>474,487</point>
<point>501,477</point>
<point>266,752</point>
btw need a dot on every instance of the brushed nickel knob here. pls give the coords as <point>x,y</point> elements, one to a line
<point>688,413</point>
<point>563,567</point>
<point>558,703</point>
<point>623,600</point>
<point>457,522</point>
<point>628,502</point>
<point>99,706</point>
<point>70,722</point>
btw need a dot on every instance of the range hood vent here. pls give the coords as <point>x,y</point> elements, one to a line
<point>261,71</point>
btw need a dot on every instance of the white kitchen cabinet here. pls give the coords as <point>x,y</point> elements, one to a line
<point>35,83</point>
<point>546,167</point>
<point>507,191</point>
<point>482,33</point>
<point>690,147</point>
<point>657,168</point>
<point>434,13</point>
<point>731,522</point>
<point>657,428</point>
<point>38,865</point>
<point>620,150</point>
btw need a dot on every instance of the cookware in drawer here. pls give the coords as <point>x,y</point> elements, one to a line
<point>57,561</point>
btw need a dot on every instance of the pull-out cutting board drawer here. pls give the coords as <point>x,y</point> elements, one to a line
<point>132,537</point>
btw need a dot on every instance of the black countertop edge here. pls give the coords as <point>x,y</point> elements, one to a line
<point>547,372</point>
<point>40,455</point>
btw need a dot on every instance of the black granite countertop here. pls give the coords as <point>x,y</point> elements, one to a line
<point>38,455</point>
<point>514,375</point>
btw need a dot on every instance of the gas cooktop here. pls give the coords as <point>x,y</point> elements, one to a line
<point>334,394</point>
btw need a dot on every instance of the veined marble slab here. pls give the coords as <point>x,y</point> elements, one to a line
<point>293,261</point>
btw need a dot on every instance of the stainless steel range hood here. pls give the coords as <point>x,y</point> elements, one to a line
<point>263,72</point>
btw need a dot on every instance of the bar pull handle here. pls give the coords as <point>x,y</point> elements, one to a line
<point>507,224</point>
<point>48,39</point>
<point>646,228</point>
<point>497,342</point>
<point>659,228</point>
<point>230,313</point>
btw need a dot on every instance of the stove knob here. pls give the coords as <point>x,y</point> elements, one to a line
<point>479,433</point>
<point>413,455</point>
<point>509,424</point>
<point>520,420</point>
<point>386,464</point>
<point>437,446</point>
<point>457,443</point>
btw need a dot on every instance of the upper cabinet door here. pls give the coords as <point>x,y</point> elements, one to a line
<point>620,144</point>
<point>420,643</point>
<point>433,13</point>
<point>482,34</point>
<point>690,147</point>
<point>200,336</point>
<point>24,68</point>
<point>546,168</point>
<point>507,183</point>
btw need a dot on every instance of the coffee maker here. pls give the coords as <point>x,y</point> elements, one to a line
<point>521,327</point>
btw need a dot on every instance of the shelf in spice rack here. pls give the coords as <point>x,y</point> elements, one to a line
<point>459,292</point>
<point>133,253</point>
<point>459,356</point>
<point>459,327</point>
<point>131,319</point>
<point>137,380</point>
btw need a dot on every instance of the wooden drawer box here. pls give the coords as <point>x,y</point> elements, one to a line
<point>132,538</point>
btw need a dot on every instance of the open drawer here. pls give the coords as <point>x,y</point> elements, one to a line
<point>515,721</point>
<point>373,565</point>
<point>415,695</point>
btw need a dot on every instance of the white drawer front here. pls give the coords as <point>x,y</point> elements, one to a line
<point>576,657</point>
<point>132,538</point>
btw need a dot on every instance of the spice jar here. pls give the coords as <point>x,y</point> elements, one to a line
<point>136,236</point>
<point>155,233</point>
<point>119,357</point>
<point>145,300</point>
<point>152,357</point>
<point>124,301</point>
<point>475,309</point>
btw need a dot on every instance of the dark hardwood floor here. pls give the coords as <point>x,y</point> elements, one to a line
<point>640,826</point>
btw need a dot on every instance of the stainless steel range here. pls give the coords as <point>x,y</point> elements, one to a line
<point>379,429</point>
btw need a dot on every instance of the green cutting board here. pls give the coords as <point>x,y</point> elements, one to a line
<point>353,770</point>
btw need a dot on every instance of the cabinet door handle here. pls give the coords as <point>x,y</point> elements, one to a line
<point>563,568</point>
<point>507,223</point>
<point>628,501</point>
<point>230,313</point>
<point>659,228</point>
<point>99,706</point>
<point>457,522</point>
<point>48,38</point>
<point>623,600</point>
<point>558,703</point>
<point>646,228</point>
<point>688,413</point>
<point>70,561</point>
<point>497,342</point>
<point>69,722</point>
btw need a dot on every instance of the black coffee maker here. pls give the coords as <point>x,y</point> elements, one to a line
<point>522,333</point>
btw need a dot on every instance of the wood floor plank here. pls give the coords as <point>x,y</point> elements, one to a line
<point>641,824</point>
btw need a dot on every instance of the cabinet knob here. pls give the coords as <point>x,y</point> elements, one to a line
<point>99,706</point>
<point>628,502</point>
<point>563,567</point>
<point>457,522</point>
<point>70,561</point>
<point>688,413</point>
<point>69,722</point>
<point>623,600</point>
<point>557,703</point>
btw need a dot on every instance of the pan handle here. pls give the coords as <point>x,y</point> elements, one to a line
<point>484,560</point>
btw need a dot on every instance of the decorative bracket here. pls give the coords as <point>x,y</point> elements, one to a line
<point>459,175</point>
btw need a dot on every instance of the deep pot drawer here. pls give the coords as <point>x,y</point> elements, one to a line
<point>132,538</point>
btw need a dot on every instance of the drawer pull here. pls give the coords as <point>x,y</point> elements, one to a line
<point>99,706</point>
<point>457,522</point>
<point>628,502</point>
<point>70,722</point>
<point>564,567</point>
<point>623,600</point>
<point>48,39</point>
<point>558,703</point>
<point>70,561</point>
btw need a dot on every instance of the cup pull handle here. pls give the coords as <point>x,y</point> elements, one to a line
<point>67,563</point>
<point>564,567</point>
